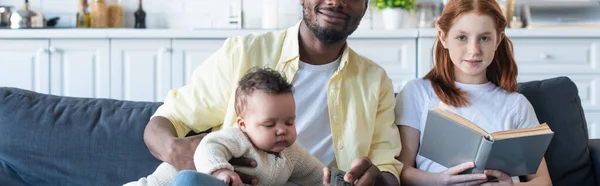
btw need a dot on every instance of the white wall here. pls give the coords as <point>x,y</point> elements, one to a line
<point>186,14</point>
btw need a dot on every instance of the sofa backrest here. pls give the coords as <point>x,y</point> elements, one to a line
<point>556,101</point>
<point>52,140</point>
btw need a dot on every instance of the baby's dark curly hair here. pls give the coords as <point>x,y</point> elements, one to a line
<point>264,79</point>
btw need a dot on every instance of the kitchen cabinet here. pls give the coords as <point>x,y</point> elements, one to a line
<point>189,54</point>
<point>140,69</point>
<point>145,70</point>
<point>25,64</point>
<point>425,55</point>
<point>593,123</point>
<point>396,56</point>
<point>557,55</point>
<point>80,68</point>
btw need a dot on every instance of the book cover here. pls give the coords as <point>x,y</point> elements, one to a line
<point>450,140</point>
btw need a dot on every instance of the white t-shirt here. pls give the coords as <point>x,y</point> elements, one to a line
<point>492,108</point>
<point>312,116</point>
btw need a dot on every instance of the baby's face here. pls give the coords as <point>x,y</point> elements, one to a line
<point>269,121</point>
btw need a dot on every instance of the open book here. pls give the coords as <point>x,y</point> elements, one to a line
<point>450,140</point>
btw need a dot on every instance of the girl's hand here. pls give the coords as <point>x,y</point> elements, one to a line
<point>452,177</point>
<point>503,179</point>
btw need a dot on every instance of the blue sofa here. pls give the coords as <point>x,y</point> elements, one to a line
<point>53,140</point>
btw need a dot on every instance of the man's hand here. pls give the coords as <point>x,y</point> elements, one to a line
<point>228,176</point>
<point>245,162</point>
<point>326,174</point>
<point>181,152</point>
<point>363,173</point>
<point>327,178</point>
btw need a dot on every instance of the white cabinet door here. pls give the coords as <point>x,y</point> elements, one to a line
<point>25,65</point>
<point>593,123</point>
<point>397,56</point>
<point>140,69</point>
<point>188,55</point>
<point>80,68</point>
<point>557,55</point>
<point>425,54</point>
<point>587,87</point>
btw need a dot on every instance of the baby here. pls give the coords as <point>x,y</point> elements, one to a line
<point>266,133</point>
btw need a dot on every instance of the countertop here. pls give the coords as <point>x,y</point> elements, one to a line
<point>73,33</point>
<point>536,32</point>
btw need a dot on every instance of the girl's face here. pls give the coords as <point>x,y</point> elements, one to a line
<point>472,43</point>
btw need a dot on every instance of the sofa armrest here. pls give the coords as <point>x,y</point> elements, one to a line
<point>594,146</point>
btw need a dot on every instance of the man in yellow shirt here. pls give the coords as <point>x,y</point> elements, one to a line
<point>344,102</point>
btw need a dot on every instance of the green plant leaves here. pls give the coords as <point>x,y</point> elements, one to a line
<point>404,4</point>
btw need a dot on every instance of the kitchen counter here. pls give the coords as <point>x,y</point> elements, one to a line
<point>70,33</point>
<point>535,33</point>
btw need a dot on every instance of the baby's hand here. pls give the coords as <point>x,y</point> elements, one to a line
<point>228,176</point>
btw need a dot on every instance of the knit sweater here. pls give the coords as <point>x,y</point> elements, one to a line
<point>294,163</point>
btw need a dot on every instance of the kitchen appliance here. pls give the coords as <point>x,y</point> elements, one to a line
<point>27,18</point>
<point>5,12</point>
<point>236,14</point>
<point>561,13</point>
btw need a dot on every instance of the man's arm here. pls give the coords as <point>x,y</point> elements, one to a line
<point>199,106</point>
<point>381,166</point>
<point>158,131</point>
<point>385,145</point>
<point>162,141</point>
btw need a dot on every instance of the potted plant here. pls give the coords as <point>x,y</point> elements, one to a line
<point>393,11</point>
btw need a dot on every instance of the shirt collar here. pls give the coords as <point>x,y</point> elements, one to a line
<point>291,49</point>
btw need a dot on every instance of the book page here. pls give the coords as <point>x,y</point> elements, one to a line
<point>461,120</point>
<point>541,129</point>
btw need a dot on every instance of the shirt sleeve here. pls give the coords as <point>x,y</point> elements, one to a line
<point>217,148</point>
<point>202,104</point>
<point>409,105</point>
<point>385,144</point>
<point>308,170</point>
<point>526,117</point>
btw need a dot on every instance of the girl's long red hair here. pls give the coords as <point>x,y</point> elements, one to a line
<point>503,69</point>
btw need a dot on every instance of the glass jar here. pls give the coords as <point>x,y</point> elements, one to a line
<point>99,14</point>
<point>115,15</point>
<point>426,15</point>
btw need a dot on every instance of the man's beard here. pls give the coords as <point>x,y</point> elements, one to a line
<point>326,36</point>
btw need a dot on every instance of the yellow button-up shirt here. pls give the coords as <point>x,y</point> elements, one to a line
<point>360,96</point>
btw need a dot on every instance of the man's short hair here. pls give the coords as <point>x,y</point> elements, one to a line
<point>264,79</point>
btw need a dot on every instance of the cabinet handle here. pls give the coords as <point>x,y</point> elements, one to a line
<point>165,50</point>
<point>42,50</point>
<point>545,56</point>
<point>52,49</point>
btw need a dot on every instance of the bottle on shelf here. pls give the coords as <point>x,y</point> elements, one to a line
<point>140,16</point>
<point>84,17</point>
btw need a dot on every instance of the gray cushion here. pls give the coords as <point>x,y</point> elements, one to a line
<point>52,140</point>
<point>556,101</point>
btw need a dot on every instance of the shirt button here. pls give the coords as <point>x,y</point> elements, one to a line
<point>334,117</point>
<point>340,145</point>
<point>332,87</point>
